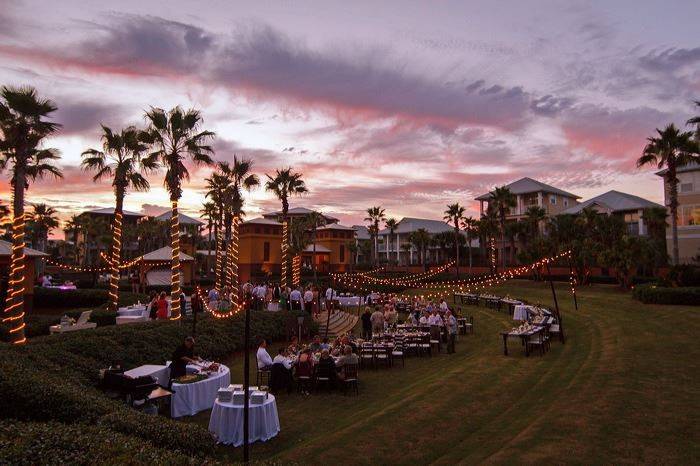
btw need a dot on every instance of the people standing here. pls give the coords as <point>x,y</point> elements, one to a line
<point>366,324</point>
<point>295,298</point>
<point>308,300</point>
<point>451,323</point>
<point>377,321</point>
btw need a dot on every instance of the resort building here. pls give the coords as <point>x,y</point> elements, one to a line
<point>688,213</point>
<point>93,237</point>
<point>528,193</point>
<point>188,225</point>
<point>261,245</point>
<point>398,248</point>
<point>628,206</point>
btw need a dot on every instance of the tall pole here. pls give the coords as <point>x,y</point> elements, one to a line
<point>246,384</point>
<point>556,304</point>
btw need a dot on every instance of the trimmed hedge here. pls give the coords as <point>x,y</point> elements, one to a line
<point>53,379</point>
<point>650,294</point>
<point>30,443</point>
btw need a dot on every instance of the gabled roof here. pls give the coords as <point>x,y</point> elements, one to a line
<point>614,201</point>
<point>361,232</point>
<point>528,185</point>
<point>298,212</point>
<point>110,211</point>
<point>165,254</point>
<point>691,167</point>
<point>319,248</point>
<point>409,224</point>
<point>261,221</point>
<point>6,250</point>
<point>335,226</point>
<point>184,219</point>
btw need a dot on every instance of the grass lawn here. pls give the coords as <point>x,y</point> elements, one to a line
<point>625,388</point>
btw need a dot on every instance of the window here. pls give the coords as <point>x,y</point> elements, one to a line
<point>342,253</point>
<point>566,203</point>
<point>553,200</point>
<point>686,187</point>
<point>257,230</point>
<point>689,215</point>
<point>266,251</point>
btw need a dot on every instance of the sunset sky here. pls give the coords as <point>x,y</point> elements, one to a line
<point>407,105</point>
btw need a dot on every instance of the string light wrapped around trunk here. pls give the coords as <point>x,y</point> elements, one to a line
<point>14,301</point>
<point>233,260</point>
<point>296,270</point>
<point>219,260</point>
<point>175,263</point>
<point>115,261</point>
<point>285,248</point>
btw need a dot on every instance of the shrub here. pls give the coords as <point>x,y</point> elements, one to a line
<point>29,443</point>
<point>53,379</point>
<point>651,294</point>
<point>685,275</point>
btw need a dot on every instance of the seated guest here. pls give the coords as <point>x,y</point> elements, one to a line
<point>264,359</point>
<point>183,355</point>
<point>305,369</point>
<point>348,357</point>
<point>283,358</point>
<point>326,366</point>
<point>293,347</point>
<point>423,319</point>
<point>316,344</point>
<point>443,306</point>
<point>325,345</point>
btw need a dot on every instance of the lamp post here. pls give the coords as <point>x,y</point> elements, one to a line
<point>246,384</point>
<point>300,323</point>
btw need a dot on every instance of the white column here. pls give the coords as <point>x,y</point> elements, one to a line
<point>397,249</point>
<point>411,257</point>
<point>642,230</point>
<point>520,204</point>
<point>539,199</point>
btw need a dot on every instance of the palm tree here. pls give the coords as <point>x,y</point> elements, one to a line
<point>488,228</point>
<point>655,223</point>
<point>208,212</point>
<point>314,220</point>
<point>471,227</point>
<point>420,240</point>
<point>218,185</point>
<point>121,160</point>
<point>284,184</point>
<point>43,219</point>
<point>175,136</point>
<point>671,149</point>
<point>391,225</point>
<point>23,129</point>
<point>696,121</point>
<point>503,200</point>
<point>241,178</point>
<point>455,214</point>
<point>374,216</point>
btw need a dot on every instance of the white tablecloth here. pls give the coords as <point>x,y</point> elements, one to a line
<point>191,398</point>
<point>131,311</point>
<point>161,373</point>
<point>349,300</point>
<point>226,422</point>
<point>521,312</point>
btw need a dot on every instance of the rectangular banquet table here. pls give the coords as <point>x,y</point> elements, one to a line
<point>159,372</point>
<point>523,338</point>
<point>226,422</point>
<point>191,398</point>
<point>521,312</point>
<point>349,300</point>
<point>131,311</point>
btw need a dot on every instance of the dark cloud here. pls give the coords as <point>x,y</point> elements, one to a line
<point>550,105</point>
<point>670,59</point>
<point>79,116</point>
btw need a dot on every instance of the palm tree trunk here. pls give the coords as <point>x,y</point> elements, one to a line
<point>673,204</point>
<point>234,260</point>
<point>115,259</point>
<point>469,246</point>
<point>457,248</point>
<point>284,273</point>
<point>218,262</point>
<point>175,262</point>
<point>14,303</point>
<point>208,262</point>
<point>313,259</point>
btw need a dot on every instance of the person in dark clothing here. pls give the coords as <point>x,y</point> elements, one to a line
<point>367,324</point>
<point>183,355</point>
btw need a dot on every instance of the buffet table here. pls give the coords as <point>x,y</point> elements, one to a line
<point>521,312</point>
<point>132,311</point>
<point>226,422</point>
<point>191,398</point>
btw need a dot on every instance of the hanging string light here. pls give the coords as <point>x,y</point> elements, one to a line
<point>214,312</point>
<point>175,263</point>
<point>14,301</point>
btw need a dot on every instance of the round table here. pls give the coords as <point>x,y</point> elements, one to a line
<point>226,422</point>
<point>191,398</point>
